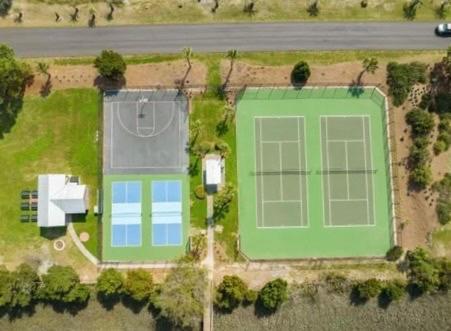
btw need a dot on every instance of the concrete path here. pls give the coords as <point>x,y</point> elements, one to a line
<point>79,244</point>
<point>209,264</point>
<point>40,42</point>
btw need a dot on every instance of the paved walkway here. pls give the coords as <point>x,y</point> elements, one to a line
<point>209,264</point>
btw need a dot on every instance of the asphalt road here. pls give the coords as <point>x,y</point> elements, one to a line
<point>36,42</point>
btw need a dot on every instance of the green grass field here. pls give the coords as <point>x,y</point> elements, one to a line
<point>51,135</point>
<point>309,187</point>
<point>145,251</point>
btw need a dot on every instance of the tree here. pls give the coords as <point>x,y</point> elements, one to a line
<point>313,8</point>
<point>222,201</point>
<point>202,149</point>
<point>139,285</point>
<point>6,288</point>
<point>61,283</point>
<point>300,73</point>
<point>110,283</point>
<point>393,290</point>
<point>194,131</point>
<point>422,122</point>
<point>223,148</point>
<point>410,9</point>
<point>273,294</point>
<point>230,293</point>
<point>401,77</point>
<point>92,19</point>
<point>182,296</point>
<point>370,64</point>
<point>188,54</point>
<point>198,245</point>
<point>43,68</point>
<point>13,75</point>
<point>394,253</point>
<point>368,289</point>
<point>110,65</point>
<point>25,285</point>
<point>421,176</point>
<point>442,9</point>
<point>5,6</point>
<point>422,271</point>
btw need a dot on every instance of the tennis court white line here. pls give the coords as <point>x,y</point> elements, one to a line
<point>366,167</point>
<point>279,141</point>
<point>273,201</point>
<point>338,200</point>
<point>280,171</point>
<point>261,177</point>
<point>328,167</point>
<point>300,166</point>
<point>345,140</point>
<point>371,161</point>
<point>347,169</point>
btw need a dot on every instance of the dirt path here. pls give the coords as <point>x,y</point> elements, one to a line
<point>164,74</point>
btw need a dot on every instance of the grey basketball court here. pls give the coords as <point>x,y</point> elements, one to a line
<point>145,132</point>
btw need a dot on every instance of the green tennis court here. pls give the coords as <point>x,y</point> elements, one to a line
<point>313,173</point>
<point>280,167</point>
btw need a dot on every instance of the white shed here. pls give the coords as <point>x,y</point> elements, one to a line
<point>213,169</point>
<point>58,196</point>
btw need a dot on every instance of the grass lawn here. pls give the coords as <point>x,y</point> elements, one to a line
<point>208,109</point>
<point>52,135</point>
<point>189,11</point>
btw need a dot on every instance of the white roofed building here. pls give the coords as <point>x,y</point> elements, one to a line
<point>58,197</point>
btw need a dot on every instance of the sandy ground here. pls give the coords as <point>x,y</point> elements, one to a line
<point>416,216</point>
<point>165,74</point>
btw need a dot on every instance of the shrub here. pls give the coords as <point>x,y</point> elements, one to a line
<point>440,146</point>
<point>313,8</point>
<point>443,207</point>
<point>368,289</point>
<point>223,148</point>
<point>443,103</point>
<point>199,192</point>
<point>421,122</point>
<point>5,6</point>
<point>61,283</point>
<point>230,293</point>
<point>6,288</point>
<point>422,271</point>
<point>393,290</point>
<point>401,78</point>
<point>110,65</point>
<point>110,283</point>
<point>25,285</point>
<point>222,201</point>
<point>198,246</point>
<point>444,274</point>
<point>300,73</point>
<point>336,283</point>
<point>421,176</point>
<point>394,253</point>
<point>419,153</point>
<point>182,296</point>
<point>364,3</point>
<point>139,285</point>
<point>250,297</point>
<point>273,294</point>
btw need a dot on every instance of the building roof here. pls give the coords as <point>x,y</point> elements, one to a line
<point>213,171</point>
<point>58,197</point>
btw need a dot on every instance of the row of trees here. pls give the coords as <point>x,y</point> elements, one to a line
<point>21,287</point>
<point>180,299</point>
<point>233,291</point>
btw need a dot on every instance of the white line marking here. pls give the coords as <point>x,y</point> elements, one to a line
<point>280,171</point>
<point>299,177</point>
<point>366,175</point>
<point>347,170</point>
<point>328,166</point>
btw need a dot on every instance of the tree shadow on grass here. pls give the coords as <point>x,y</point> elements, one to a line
<point>18,313</point>
<point>8,114</point>
<point>261,311</point>
<point>46,88</point>
<point>62,307</point>
<point>355,299</point>
<point>135,306</point>
<point>108,302</point>
<point>53,233</point>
